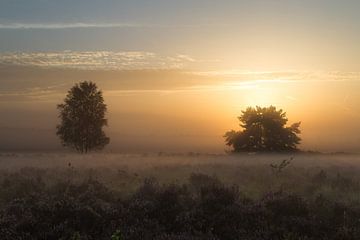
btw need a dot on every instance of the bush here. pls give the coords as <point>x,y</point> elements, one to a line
<point>204,208</point>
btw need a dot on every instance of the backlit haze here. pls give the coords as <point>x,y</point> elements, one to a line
<point>176,74</point>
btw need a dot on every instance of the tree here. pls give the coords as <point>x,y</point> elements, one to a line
<point>82,118</point>
<point>264,130</point>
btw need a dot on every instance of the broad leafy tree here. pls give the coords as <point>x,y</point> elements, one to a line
<point>82,118</point>
<point>264,130</point>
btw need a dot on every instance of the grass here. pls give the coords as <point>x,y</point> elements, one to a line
<point>179,196</point>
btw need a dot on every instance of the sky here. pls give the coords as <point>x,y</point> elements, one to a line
<point>180,72</point>
<point>256,35</point>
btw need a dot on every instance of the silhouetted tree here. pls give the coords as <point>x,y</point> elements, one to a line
<point>82,118</point>
<point>264,130</point>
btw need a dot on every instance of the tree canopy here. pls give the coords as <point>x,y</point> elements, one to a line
<point>264,130</point>
<point>82,118</point>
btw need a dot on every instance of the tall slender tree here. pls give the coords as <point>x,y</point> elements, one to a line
<point>82,118</point>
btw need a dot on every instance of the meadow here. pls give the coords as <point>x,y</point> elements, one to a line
<point>179,196</point>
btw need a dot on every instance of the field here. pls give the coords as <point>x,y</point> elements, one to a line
<point>179,196</point>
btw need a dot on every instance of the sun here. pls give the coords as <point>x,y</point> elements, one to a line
<point>263,94</point>
<point>260,97</point>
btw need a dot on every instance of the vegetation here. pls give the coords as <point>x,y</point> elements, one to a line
<point>264,130</point>
<point>82,118</point>
<point>124,202</point>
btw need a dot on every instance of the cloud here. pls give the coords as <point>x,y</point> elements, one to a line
<point>285,76</point>
<point>201,88</point>
<point>69,25</point>
<point>93,60</point>
<point>75,25</point>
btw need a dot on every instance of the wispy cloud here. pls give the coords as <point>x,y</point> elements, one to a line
<point>31,94</point>
<point>191,89</point>
<point>70,25</point>
<point>284,76</point>
<point>97,60</point>
<point>74,25</point>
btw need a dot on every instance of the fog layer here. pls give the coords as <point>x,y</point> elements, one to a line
<point>178,111</point>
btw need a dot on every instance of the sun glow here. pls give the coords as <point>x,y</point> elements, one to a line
<point>262,96</point>
<point>256,92</point>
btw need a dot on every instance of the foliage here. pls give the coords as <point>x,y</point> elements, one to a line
<point>116,235</point>
<point>264,130</point>
<point>278,168</point>
<point>82,118</point>
<point>204,208</point>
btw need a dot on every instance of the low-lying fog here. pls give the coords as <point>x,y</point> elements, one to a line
<point>192,160</point>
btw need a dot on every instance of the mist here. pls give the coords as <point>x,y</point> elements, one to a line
<point>176,110</point>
